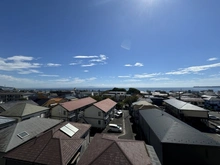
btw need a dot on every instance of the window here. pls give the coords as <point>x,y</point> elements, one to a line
<point>99,113</point>
<point>64,112</point>
<point>99,122</point>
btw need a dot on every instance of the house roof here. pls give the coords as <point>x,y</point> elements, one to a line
<point>53,147</point>
<point>46,149</point>
<point>23,109</point>
<point>52,101</point>
<point>181,105</point>
<point>9,136</point>
<point>76,104</point>
<point>4,120</point>
<point>192,99</point>
<point>171,130</point>
<point>10,104</point>
<point>110,150</point>
<point>105,105</point>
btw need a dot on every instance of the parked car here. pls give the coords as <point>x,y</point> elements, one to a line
<point>119,112</point>
<point>117,115</point>
<point>115,128</point>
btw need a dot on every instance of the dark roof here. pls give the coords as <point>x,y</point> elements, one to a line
<point>53,147</point>
<point>181,105</point>
<point>33,126</point>
<point>76,104</point>
<point>10,104</point>
<point>47,150</point>
<point>105,105</point>
<point>23,109</point>
<point>41,101</point>
<point>110,150</point>
<point>171,130</point>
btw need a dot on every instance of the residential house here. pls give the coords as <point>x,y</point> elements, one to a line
<point>212,103</point>
<point>195,101</point>
<point>105,149</point>
<point>6,121</point>
<point>17,134</point>
<point>175,142</point>
<point>8,105</point>
<point>53,102</point>
<point>24,111</point>
<point>100,113</point>
<point>14,96</point>
<point>62,145</point>
<point>69,111</point>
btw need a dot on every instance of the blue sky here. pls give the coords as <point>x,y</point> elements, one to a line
<point>109,43</point>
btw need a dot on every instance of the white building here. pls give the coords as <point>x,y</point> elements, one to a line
<point>99,114</point>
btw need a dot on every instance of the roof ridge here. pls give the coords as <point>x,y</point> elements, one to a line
<point>103,150</point>
<point>123,152</point>
<point>12,135</point>
<point>61,153</point>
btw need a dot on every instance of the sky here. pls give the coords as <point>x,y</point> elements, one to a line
<point>109,43</point>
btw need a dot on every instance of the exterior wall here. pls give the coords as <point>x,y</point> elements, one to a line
<point>190,154</point>
<point>151,138</point>
<point>96,117</point>
<point>2,160</point>
<point>200,114</point>
<point>58,112</point>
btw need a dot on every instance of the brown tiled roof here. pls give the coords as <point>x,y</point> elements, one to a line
<point>105,105</point>
<point>104,150</point>
<point>54,100</point>
<point>76,104</point>
<point>47,150</point>
<point>53,147</point>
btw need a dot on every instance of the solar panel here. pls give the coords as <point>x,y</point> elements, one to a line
<point>22,134</point>
<point>69,129</point>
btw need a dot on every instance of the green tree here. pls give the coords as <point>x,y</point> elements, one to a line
<point>129,100</point>
<point>133,91</point>
<point>119,89</point>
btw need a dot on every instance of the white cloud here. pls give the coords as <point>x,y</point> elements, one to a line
<point>160,79</point>
<point>73,63</point>
<point>85,57</point>
<point>145,75</point>
<point>62,80</point>
<point>131,80</point>
<point>212,59</point>
<point>124,76</point>
<point>138,64</point>
<point>85,71</point>
<point>129,65</point>
<point>46,75</point>
<point>88,65</point>
<point>101,58</point>
<point>193,69</point>
<point>126,44</point>
<point>78,80</point>
<point>20,64</point>
<point>28,71</point>
<point>20,58</point>
<point>91,79</point>
<point>53,65</point>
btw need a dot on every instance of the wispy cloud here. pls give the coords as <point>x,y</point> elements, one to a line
<point>132,80</point>
<point>28,71</point>
<point>126,44</point>
<point>85,57</point>
<point>193,69</point>
<point>145,75</point>
<point>160,79</point>
<point>101,58</point>
<point>47,75</point>
<point>91,79</point>
<point>62,80</point>
<point>88,65</point>
<point>85,71</point>
<point>212,59</point>
<point>137,64</point>
<point>19,63</point>
<point>124,76</point>
<point>53,65</point>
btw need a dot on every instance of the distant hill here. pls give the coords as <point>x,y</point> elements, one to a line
<point>206,87</point>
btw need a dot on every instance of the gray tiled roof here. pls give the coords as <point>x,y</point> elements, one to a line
<point>181,105</point>
<point>33,126</point>
<point>10,104</point>
<point>23,109</point>
<point>171,130</point>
